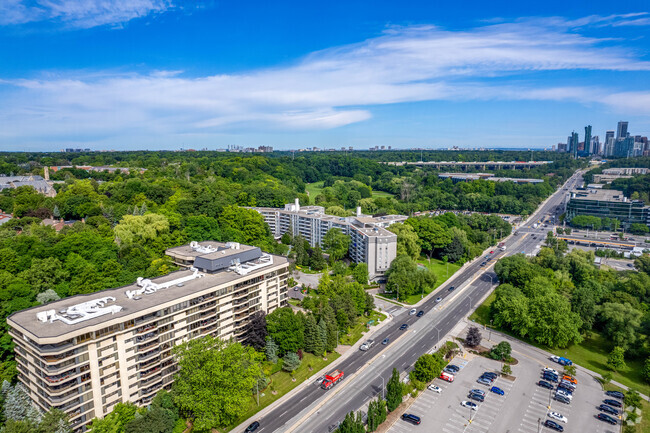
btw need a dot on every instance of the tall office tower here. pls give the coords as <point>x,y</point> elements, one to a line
<point>588,151</point>
<point>574,144</point>
<point>608,135</point>
<point>621,131</point>
<point>609,147</point>
<point>595,145</point>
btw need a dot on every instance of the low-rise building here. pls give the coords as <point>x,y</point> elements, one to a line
<point>86,353</point>
<point>607,203</point>
<point>468,177</point>
<point>35,181</point>
<point>370,242</point>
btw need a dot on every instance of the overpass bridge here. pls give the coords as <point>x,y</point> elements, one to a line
<point>484,165</point>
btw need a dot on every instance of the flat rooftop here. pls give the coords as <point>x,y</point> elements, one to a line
<point>600,195</point>
<point>131,308</point>
<point>208,249</point>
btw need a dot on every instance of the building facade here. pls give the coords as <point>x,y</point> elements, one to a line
<point>370,242</point>
<point>86,353</point>
<point>607,203</point>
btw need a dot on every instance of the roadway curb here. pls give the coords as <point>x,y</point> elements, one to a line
<point>309,381</point>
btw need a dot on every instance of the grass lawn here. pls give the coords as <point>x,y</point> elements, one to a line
<point>316,187</point>
<point>592,353</point>
<point>442,272</point>
<point>356,332</point>
<point>281,382</point>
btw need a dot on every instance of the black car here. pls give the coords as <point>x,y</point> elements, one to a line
<point>413,419</point>
<point>608,409</point>
<point>553,425</point>
<point>615,394</point>
<point>490,374</point>
<point>420,313</point>
<point>404,326</point>
<point>252,427</point>
<point>453,367</point>
<point>561,398</point>
<point>451,288</point>
<point>565,388</point>
<point>613,403</point>
<point>607,418</point>
<point>483,264</point>
<point>478,397</point>
<point>550,377</point>
<point>488,378</point>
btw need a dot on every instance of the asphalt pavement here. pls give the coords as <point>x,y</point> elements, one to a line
<point>312,409</point>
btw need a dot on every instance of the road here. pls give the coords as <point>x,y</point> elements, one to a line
<point>423,334</point>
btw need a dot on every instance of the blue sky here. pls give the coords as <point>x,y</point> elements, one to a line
<point>166,74</point>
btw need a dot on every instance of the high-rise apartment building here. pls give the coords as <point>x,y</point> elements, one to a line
<point>86,353</point>
<point>573,143</point>
<point>621,131</point>
<point>588,150</point>
<point>370,242</point>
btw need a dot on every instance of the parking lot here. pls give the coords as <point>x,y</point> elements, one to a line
<point>523,408</point>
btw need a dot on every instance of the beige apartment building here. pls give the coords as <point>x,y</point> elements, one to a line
<point>86,353</point>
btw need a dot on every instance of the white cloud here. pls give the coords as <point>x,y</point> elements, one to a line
<point>79,13</point>
<point>326,89</point>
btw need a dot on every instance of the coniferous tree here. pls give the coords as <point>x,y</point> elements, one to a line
<point>332,328</point>
<point>393,391</point>
<point>291,361</point>
<point>18,406</point>
<point>271,350</point>
<point>311,335</point>
<point>321,340</point>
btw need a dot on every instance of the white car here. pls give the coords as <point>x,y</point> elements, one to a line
<point>550,370</point>
<point>555,358</point>
<point>558,417</point>
<point>412,312</point>
<point>564,393</point>
<point>469,405</point>
<point>434,388</point>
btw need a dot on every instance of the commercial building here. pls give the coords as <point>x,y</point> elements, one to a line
<point>37,182</point>
<point>86,353</point>
<point>619,171</point>
<point>607,203</point>
<point>370,242</point>
<point>460,177</point>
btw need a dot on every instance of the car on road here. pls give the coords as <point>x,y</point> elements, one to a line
<point>497,390</point>
<point>404,327</point>
<point>252,427</point>
<point>413,419</point>
<point>367,345</point>
<point>612,403</point>
<point>484,381</point>
<point>550,370</point>
<point>386,341</point>
<point>477,391</point>
<point>615,394</point>
<point>420,313</point>
<point>319,381</point>
<point>412,312</point>
<point>484,263</point>
<point>558,417</point>
<point>478,397</point>
<point>553,425</point>
<point>545,384</point>
<point>469,405</point>
<point>608,409</point>
<point>434,388</point>
<point>492,252</point>
<point>438,299</point>
<point>451,289</point>
<point>555,358</point>
<point>607,418</point>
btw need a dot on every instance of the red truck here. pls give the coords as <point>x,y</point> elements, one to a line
<point>331,379</point>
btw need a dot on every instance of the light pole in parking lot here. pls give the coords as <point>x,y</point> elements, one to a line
<point>539,425</point>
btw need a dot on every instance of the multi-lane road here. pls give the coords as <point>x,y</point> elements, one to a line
<point>312,409</point>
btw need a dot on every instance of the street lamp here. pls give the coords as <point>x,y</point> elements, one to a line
<point>490,337</point>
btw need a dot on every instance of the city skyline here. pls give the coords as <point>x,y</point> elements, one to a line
<point>159,74</point>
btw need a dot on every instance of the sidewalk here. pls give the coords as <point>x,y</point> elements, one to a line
<point>309,381</point>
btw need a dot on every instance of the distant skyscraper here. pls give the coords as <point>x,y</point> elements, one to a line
<point>573,144</point>
<point>588,151</point>
<point>608,135</point>
<point>621,131</point>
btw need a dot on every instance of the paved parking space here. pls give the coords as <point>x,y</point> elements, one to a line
<point>523,408</point>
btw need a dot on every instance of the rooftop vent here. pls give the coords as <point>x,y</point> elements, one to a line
<point>80,312</point>
<point>148,287</point>
<point>244,269</point>
<point>203,249</point>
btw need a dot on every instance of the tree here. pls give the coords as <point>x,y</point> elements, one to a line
<point>473,337</point>
<point>393,391</point>
<point>47,296</point>
<point>454,250</point>
<point>428,367</point>
<point>404,276</point>
<point>214,380</point>
<point>332,329</point>
<point>407,240</point>
<point>18,406</point>
<point>646,370</point>
<point>291,361</point>
<point>639,229</point>
<point>632,398</point>
<point>621,322</point>
<point>376,413</point>
<point>141,228</point>
<point>616,359</point>
<point>109,424</point>
<point>506,370</point>
<point>316,260</point>
<point>311,335</point>
<point>336,244</point>
<point>321,337</point>
<point>256,335</point>
<point>501,351</point>
<point>360,273</point>
<point>570,370</point>
<point>605,378</point>
<point>642,263</point>
<point>287,329</point>
<point>271,350</point>
<point>154,420</point>
<point>352,424</point>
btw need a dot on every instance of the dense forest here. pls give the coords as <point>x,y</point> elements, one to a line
<point>118,224</point>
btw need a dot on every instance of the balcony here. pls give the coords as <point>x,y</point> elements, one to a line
<point>149,354</point>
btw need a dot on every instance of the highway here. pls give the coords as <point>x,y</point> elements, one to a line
<point>302,412</point>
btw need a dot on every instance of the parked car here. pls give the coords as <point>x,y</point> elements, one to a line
<point>490,374</point>
<point>434,388</point>
<point>413,419</point>
<point>608,409</point>
<point>478,397</point>
<point>607,418</point>
<point>469,405</point>
<point>558,417</point>
<point>615,394</point>
<point>561,398</point>
<point>564,393</point>
<point>252,427</point>
<point>550,378</point>
<point>573,380</point>
<point>497,390</point>
<point>453,367</point>
<point>484,381</point>
<point>612,403</point>
<point>477,391</point>
<point>553,425</point>
<point>447,376</point>
<point>567,385</point>
<point>550,370</point>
